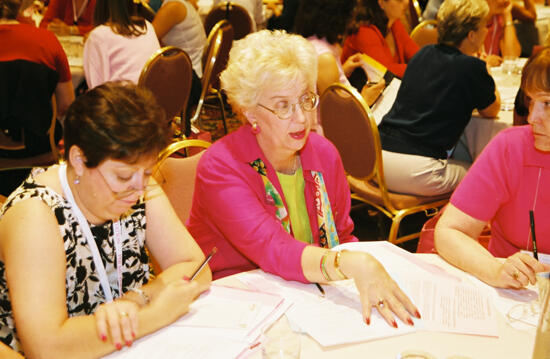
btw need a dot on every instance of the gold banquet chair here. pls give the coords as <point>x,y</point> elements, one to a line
<point>177,174</point>
<point>168,74</point>
<point>215,58</point>
<point>235,14</point>
<point>425,33</point>
<point>349,124</point>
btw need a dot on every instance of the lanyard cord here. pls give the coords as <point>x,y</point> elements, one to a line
<point>495,25</point>
<point>102,273</point>
<point>76,15</point>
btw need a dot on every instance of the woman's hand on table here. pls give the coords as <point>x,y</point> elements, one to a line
<point>492,60</point>
<point>518,271</point>
<point>370,92</point>
<point>59,28</point>
<point>117,321</point>
<point>377,289</point>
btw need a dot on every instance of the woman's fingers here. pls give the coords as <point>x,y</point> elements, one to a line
<point>101,323</point>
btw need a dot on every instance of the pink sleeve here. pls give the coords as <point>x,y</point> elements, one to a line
<point>487,184</point>
<point>234,197</point>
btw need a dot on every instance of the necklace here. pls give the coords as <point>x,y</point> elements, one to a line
<point>76,15</point>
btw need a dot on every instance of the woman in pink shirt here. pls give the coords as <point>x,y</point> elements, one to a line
<point>119,46</point>
<point>274,195</point>
<point>505,183</point>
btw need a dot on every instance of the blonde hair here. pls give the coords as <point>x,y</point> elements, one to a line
<point>267,60</point>
<point>456,18</point>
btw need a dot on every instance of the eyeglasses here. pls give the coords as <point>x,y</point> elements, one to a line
<point>285,110</point>
<point>147,188</point>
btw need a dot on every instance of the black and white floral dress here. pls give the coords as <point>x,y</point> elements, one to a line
<point>84,292</point>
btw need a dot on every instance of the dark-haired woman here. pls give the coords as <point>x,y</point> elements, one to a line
<point>120,45</point>
<point>73,237</point>
<point>323,23</point>
<point>378,32</point>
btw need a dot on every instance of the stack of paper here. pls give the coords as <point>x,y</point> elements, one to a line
<point>231,318</point>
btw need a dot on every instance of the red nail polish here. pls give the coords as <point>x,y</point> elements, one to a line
<point>128,343</point>
<point>410,321</point>
<point>367,320</point>
<point>118,346</point>
<point>103,337</point>
<point>417,314</point>
<point>186,278</point>
<point>133,335</point>
<point>394,324</point>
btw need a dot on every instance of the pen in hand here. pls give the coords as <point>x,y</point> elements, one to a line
<point>533,236</point>
<point>204,263</point>
<point>320,289</point>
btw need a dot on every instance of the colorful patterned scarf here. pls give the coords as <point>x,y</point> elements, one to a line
<point>328,236</point>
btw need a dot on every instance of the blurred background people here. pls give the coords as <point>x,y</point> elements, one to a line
<point>177,23</point>
<point>69,17</point>
<point>377,31</point>
<point>324,23</point>
<point>120,44</point>
<point>74,271</point>
<point>501,40</point>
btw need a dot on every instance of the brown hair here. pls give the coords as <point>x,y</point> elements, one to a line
<point>117,14</point>
<point>116,120</point>
<point>9,9</point>
<point>535,76</point>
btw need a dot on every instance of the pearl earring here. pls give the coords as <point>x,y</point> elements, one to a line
<point>77,180</point>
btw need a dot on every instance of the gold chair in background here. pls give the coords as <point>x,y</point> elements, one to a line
<point>168,74</point>
<point>425,33</point>
<point>215,59</point>
<point>235,14</point>
<point>350,125</point>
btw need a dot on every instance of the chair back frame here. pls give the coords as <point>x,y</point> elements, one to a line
<point>375,170</point>
<point>174,71</point>
<point>418,34</point>
<point>216,55</point>
<point>235,14</point>
<point>372,170</point>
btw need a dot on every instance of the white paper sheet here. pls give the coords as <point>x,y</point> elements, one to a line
<point>384,103</point>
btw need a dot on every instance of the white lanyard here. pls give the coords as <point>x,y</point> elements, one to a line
<point>495,25</point>
<point>76,15</point>
<point>103,279</point>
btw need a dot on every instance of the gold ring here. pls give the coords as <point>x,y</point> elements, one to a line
<point>123,314</point>
<point>380,303</point>
<point>516,275</point>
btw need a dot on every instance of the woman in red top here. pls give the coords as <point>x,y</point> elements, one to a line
<point>69,17</point>
<point>377,32</point>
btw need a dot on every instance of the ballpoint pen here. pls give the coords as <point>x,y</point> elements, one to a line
<point>204,263</point>
<point>320,289</point>
<point>533,236</point>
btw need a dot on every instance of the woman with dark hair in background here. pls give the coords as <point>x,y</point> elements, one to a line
<point>323,23</point>
<point>378,32</point>
<point>119,46</point>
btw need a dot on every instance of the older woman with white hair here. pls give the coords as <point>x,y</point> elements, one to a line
<point>274,195</point>
<point>443,84</point>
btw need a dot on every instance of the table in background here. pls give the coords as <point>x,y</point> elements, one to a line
<point>481,130</point>
<point>74,49</point>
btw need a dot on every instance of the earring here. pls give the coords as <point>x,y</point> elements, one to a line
<point>255,128</point>
<point>77,180</point>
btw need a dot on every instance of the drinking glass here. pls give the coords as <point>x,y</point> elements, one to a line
<point>280,341</point>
